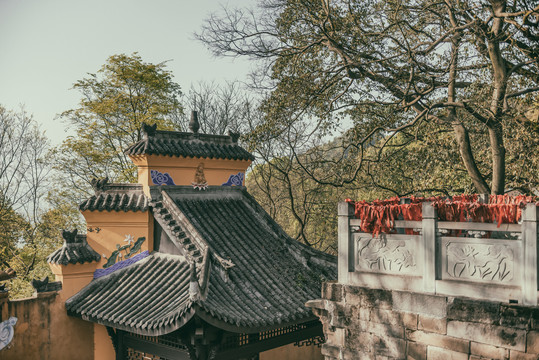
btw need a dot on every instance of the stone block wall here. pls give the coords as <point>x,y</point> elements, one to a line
<point>364,323</point>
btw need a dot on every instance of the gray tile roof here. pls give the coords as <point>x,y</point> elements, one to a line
<point>251,274</point>
<point>175,143</point>
<point>117,197</point>
<point>148,297</point>
<point>76,252</point>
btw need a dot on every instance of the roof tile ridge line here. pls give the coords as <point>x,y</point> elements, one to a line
<point>131,148</point>
<point>177,215</point>
<point>205,275</point>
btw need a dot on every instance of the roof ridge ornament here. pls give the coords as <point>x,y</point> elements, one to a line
<point>149,130</point>
<point>234,136</point>
<point>194,125</point>
<point>70,237</point>
<point>99,185</point>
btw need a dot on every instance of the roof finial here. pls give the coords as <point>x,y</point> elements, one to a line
<point>149,130</point>
<point>193,124</point>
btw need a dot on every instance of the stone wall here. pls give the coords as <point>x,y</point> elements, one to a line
<point>364,323</point>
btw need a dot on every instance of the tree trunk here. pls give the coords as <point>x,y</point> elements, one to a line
<point>498,159</point>
<point>463,141</point>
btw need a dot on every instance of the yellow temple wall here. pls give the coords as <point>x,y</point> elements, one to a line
<point>108,229</point>
<point>44,330</point>
<point>73,277</point>
<point>182,170</point>
<point>103,348</point>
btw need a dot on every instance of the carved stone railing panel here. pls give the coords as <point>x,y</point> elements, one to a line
<point>392,254</point>
<point>479,260</point>
<point>483,260</point>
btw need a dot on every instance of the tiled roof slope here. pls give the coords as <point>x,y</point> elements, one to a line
<point>148,297</point>
<point>76,252</point>
<point>255,277</point>
<point>268,286</point>
<point>175,143</point>
<point>117,197</point>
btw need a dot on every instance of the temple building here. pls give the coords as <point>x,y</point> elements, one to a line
<point>186,264</point>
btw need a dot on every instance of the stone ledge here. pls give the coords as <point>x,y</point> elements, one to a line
<point>532,341</point>
<point>432,324</point>
<point>332,290</point>
<point>383,324</point>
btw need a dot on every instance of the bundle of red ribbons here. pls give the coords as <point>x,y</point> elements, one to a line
<point>379,216</point>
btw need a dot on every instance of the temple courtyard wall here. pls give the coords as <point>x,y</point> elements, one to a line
<point>43,330</point>
<point>366,323</point>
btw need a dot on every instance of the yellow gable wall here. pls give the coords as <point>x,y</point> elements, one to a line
<point>108,229</point>
<point>113,228</point>
<point>182,170</point>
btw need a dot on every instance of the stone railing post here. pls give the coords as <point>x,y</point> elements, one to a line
<point>529,263</point>
<point>428,235</point>
<point>346,245</point>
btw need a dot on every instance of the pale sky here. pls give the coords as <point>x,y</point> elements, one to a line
<point>47,45</point>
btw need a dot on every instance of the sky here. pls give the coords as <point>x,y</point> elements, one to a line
<point>47,45</point>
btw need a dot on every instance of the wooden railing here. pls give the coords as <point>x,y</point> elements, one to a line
<point>479,260</point>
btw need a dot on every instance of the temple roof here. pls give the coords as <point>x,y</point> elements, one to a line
<point>175,143</point>
<point>116,197</point>
<point>150,296</point>
<point>251,275</point>
<point>74,251</point>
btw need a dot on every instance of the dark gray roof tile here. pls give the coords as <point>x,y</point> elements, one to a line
<point>148,297</point>
<point>258,278</point>
<point>76,252</point>
<point>175,143</point>
<point>117,197</point>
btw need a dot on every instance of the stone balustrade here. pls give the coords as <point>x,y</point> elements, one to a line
<point>478,260</point>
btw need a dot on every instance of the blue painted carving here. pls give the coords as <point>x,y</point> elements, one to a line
<point>160,178</point>
<point>236,180</point>
<point>120,265</point>
<point>7,331</point>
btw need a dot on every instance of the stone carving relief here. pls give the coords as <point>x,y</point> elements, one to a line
<point>480,261</point>
<point>200,182</point>
<point>385,255</point>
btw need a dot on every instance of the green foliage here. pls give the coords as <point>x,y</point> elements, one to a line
<point>38,240</point>
<point>29,227</point>
<point>115,101</point>
<point>378,68</point>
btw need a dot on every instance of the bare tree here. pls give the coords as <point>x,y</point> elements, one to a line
<point>221,107</point>
<point>24,181</point>
<point>466,66</point>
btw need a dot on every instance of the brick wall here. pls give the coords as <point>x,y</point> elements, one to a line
<point>363,323</point>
